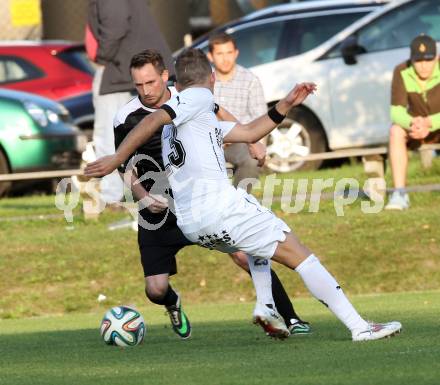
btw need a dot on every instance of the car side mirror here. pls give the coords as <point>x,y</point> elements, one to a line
<point>350,49</point>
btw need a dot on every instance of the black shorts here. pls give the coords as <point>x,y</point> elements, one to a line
<point>158,248</point>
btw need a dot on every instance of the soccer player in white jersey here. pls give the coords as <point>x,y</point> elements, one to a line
<point>211,212</point>
<point>159,237</point>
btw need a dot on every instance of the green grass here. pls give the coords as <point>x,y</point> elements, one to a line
<point>49,267</point>
<point>55,272</point>
<point>416,174</point>
<point>226,349</point>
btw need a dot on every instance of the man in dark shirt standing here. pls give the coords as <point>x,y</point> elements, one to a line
<point>119,29</point>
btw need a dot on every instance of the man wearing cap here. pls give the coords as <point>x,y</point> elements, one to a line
<point>415,112</point>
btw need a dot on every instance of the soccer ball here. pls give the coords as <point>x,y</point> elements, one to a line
<point>123,326</point>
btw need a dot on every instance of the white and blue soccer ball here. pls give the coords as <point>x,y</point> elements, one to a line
<point>123,326</point>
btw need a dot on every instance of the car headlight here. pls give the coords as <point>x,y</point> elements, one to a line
<point>40,115</point>
<point>37,113</point>
<point>52,116</point>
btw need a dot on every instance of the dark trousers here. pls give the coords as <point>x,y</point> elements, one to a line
<point>244,166</point>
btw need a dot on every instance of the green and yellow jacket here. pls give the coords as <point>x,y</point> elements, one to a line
<point>408,99</point>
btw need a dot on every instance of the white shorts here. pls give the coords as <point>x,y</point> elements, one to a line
<point>243,225</point>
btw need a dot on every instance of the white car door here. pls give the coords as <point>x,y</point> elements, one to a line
<point>360,98</point>
<point>360,92</point>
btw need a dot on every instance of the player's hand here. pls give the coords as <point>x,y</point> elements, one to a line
<point>258,152</point>
<point>101,167</point>
<point>299,93</point>
<point>155,203</point>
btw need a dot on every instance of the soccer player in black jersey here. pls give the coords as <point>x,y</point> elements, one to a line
<point>159,237</point>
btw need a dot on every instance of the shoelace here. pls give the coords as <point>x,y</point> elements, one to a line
<point>174,314</point>
<point>373,327</point>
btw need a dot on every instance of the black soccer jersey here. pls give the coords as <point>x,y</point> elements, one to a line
<point>126,119</point>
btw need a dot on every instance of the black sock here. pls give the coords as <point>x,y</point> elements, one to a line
<point>281,299</point>
<point>170,297</point>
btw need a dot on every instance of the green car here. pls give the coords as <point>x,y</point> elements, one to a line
<point>36,134</point>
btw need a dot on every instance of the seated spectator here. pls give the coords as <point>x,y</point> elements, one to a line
<point>415,112</point>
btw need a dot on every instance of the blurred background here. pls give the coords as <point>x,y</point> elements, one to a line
<point>348,47</point>
<point>53,19</point>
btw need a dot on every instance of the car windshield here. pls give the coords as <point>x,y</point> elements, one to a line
<point>77,58</point>
<point>307,33</point>
<point>278,39</point>
<point>264,41</point>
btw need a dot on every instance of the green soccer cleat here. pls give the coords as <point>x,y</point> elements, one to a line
<point>179,320</point>
<point>298,327</point>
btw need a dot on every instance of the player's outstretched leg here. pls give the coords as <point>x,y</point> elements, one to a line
<point>265,312</point>
<point>326,289</point>
<point>160,292</point>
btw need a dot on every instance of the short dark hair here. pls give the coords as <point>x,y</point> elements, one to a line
<point>221,38</point>
<point>148,56</point>
<point>192,67</point>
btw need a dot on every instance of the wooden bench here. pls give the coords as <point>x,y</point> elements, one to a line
<point>373,160</point>
<point>40,175</point>
<point>370,156</point>
<point>89,207</point>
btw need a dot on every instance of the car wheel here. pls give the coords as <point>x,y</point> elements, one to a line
<point>4,169</point>
<point>300,134</point>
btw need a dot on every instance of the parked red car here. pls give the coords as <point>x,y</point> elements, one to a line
<point>54,69</point>
<point>59,70</point>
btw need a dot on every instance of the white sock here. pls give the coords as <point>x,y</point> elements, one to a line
<point>260,271</point>
<point>324,288</point>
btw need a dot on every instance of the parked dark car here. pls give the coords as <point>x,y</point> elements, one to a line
<point>82,111</point>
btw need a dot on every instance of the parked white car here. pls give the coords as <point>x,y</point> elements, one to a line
<point>353,70</point>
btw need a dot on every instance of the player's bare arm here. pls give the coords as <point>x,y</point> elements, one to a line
<point>260,127</point>
<point>144,130</point>
<point>137,189</point>
<point>225,115</point>
<point>154,203</point>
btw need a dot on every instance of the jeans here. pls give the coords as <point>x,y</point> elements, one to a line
<point>106,107</point>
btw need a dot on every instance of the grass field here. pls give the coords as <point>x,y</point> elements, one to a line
<point>227,349</point>
<point>52,273</point>
<point>50,267</point>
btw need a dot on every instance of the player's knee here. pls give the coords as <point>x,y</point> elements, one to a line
<point>155,292</point>
<point>240,259</point>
